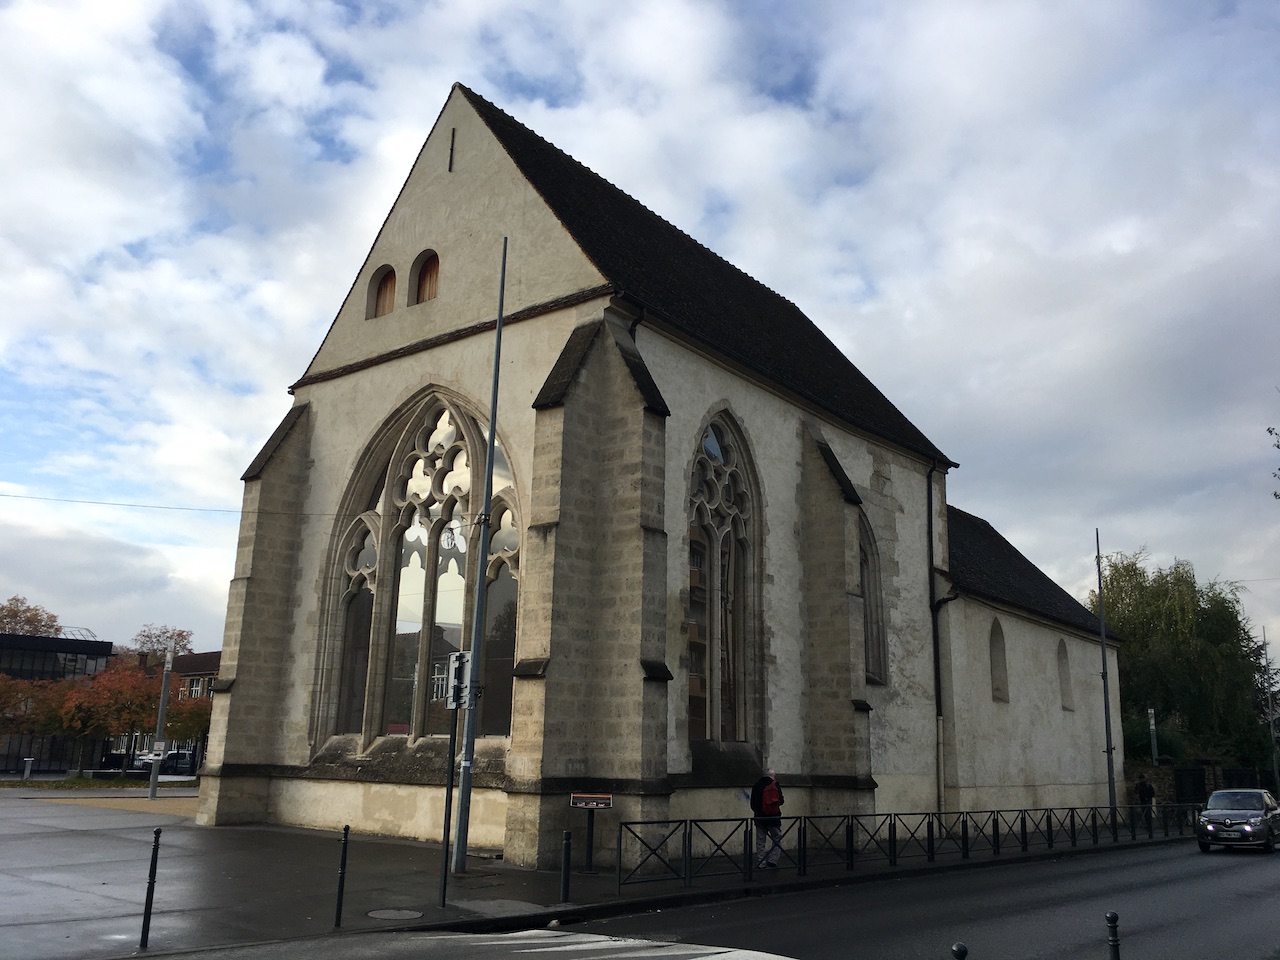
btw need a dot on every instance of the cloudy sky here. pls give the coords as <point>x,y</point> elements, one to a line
<point>1050,232</point>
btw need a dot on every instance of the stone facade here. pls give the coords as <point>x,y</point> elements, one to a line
<point>718,556</point>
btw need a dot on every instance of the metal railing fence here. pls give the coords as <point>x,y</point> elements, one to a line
<point>653,851</point>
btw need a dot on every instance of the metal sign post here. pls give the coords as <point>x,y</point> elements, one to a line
<point>591,802</point>
<point>159,744</point>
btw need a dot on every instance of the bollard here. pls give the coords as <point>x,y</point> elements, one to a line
<point>566,857</point>
<point>959,950</point>
<point>342,874</point>
<point>26,767</point>
<point>1113,934</point>
<point>151,892</point>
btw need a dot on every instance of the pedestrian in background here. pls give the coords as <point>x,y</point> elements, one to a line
<point>1146,793</point>
<point>766,805</point>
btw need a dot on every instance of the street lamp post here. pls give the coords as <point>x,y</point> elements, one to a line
<point>477,621</point>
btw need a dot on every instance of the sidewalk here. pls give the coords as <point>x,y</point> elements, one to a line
<point>74,865</point>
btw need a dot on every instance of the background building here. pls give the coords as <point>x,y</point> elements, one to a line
<point>25,657</point>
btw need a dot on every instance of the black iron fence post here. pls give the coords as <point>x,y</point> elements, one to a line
<point>893,840</point>
<point>848,843</point>
<point>748,854</point>
<point>802,856</point>
<point>1072,827</point>
<point>342,874</point>
<point>1048,823</point>
<point>964,836</point>
<point>566,860</point>
<point>151,891</point>
<point>995,833</point>
<point>1022,830</point>
<point>1113,934</point>
<point>686,854</point>
<point>1094,826</point>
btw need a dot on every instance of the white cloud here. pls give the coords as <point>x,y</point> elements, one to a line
<point>1045,231</point>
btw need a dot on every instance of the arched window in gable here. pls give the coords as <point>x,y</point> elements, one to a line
<point>721,551</point>
<point>426,277</point>
<point>1065,688</point>
<point>382,293</point>
<point>999,667</point>
<point>431,540</point>
<point>876,649</point>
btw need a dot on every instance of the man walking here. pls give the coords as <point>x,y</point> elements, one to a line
<point>766,805</point>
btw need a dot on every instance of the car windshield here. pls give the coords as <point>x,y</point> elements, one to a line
<point>1235,801</point>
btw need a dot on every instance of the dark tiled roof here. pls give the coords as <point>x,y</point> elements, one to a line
<point>700,294</point>
<point>190,664</point>
<point>985,564</point>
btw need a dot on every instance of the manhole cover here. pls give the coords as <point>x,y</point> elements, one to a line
<point>395,914</point>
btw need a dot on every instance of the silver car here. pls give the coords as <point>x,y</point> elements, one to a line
<point>1239,817</point>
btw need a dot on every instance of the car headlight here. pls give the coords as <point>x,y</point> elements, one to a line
<point>1255,821</point>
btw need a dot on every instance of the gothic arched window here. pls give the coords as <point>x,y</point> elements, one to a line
<point>425,524</point>
<point>720,581</point>
<point>999,666</point>
<point>875,644</point>
<point>1065,688</point>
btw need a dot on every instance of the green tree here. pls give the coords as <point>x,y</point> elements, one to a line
<point>28,619</point>
<point>1187,652</point>
<point>154,641</point>
<point>187,718</point>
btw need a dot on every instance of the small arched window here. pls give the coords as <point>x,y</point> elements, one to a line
<point>383,288</point>
<point>999,667</point>
<point>1065,688</point>
<point>426,277</point>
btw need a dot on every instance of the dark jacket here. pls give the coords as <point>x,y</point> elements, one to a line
<point>757,794</point>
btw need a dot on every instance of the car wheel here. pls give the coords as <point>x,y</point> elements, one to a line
<point>1204,847</point>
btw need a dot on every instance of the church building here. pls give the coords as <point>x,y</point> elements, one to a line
<point>716,546</point>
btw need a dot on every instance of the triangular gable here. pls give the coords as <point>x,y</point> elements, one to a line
<point>462,196</point>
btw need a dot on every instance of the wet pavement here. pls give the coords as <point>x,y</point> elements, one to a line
<point>74,868</point>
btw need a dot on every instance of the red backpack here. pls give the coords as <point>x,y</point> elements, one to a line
<point>771,799</point>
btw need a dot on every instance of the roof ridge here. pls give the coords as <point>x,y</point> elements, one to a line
<point>471,94</point>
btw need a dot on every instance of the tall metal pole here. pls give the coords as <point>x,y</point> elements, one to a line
<point>1106,686</point>
<point>477,621</point>
<point>160,717</point>
<point>1271,713</point>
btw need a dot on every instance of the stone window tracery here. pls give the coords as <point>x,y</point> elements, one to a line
<point>427,531</point>
<point>717,627</point>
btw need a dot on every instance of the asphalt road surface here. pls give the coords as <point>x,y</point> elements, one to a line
<point>1173,901</point>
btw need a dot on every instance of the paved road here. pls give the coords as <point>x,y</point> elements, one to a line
<point>535,944</point>
<point>1173,901</point>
